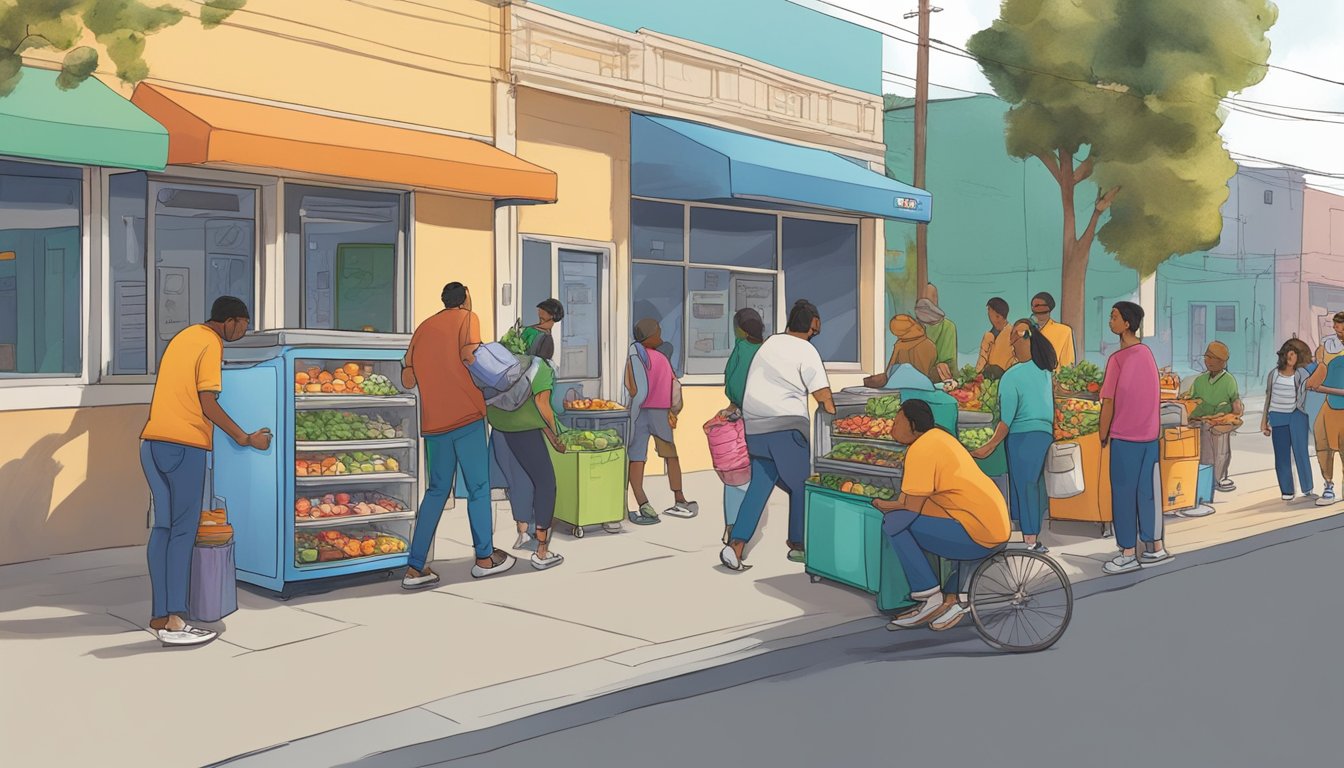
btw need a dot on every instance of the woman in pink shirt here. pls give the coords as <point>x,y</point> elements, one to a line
<point>649,379</point>
<point>1131,402</point>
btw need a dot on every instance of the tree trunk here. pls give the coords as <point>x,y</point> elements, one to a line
<point>1073,292</point>
<point>1077,248</point>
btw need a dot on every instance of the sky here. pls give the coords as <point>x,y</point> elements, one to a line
<point>1306,38</point>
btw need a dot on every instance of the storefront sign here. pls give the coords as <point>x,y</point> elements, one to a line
<point>908,203</point>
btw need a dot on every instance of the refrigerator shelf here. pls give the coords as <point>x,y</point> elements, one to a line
<point>839,467</point>
<point>366,478</point>
<point>312,446</point>
<point>348,520</point>
<point>329,402</point>
<point>392,560</point>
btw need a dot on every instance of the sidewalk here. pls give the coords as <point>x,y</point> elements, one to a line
<point>371,667</point>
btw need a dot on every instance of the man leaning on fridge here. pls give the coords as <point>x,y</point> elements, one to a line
<point>174,445</point>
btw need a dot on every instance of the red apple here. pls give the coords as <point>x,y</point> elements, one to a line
<point>342,498</point>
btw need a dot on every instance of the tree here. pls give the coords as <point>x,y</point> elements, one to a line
<point>1136,87</point>
<point>119,26</point>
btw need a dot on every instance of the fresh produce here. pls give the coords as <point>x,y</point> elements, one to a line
<point>348,379</point>
<point>975,438</point>
<point>884,407</point>
<point>977,394</point>
<point>328,546</point>
<point>513,341</point>
<point>595,404</point>
<point>329,426</point>
<point>1079,377</point>
<point>864,426</point>
<point>590,440</point>
<point>1076,418</point>
<point>872,455</point>
<point>1170,381</point>
<point>334,505</point>
<point>847,485</point>
<point>352,463</point>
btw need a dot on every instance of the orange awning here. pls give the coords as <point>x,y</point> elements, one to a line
<point>214,130</point>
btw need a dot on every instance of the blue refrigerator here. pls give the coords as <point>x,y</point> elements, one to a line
<point>336,493</point>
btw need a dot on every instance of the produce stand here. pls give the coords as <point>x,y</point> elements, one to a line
<point>856,461</point>
<point>1077,420</point>
<point>590,480</point>
<point>977,417</point>
<point>578,417</point>
<point>336,492</point>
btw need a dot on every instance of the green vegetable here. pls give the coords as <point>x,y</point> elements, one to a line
<point>884,407</point>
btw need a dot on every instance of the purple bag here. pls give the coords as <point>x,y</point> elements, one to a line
<point>214,586</point>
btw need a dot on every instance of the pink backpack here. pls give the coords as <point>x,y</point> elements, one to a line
<point>728,450</point>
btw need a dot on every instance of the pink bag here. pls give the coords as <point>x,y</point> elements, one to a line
<point>728,450</point>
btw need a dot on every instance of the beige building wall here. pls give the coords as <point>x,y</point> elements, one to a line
<point>454,239</point>
<point>1322,259</point>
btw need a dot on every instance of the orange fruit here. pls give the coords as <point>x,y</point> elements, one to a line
<point>328,388</point>
<point>351,369</point>
<point>312,388</point>
<point>300,378</point>
<point>338,385</point>
<point>342,376</point>
<point>325,378</point>
<point>358,379</point>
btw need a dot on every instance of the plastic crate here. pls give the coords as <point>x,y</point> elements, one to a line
<point>590,486</point>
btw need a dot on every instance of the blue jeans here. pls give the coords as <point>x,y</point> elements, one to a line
<point>463,447</point>
<point>733,496</point>
<point>176,475</point>
<point>777,459</point>
<point>1026,478</point>
<point>1134,492</point>
<point>915,536</point>
<point>1289,433</point>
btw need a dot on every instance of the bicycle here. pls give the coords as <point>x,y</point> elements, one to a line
<point>1021,602</point>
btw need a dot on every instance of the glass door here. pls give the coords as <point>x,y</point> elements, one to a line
<point>577,277</point>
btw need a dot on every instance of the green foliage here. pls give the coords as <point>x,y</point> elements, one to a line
<point>1136,84</point>
<point>119,26</point>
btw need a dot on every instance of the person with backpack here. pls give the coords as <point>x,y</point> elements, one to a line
<point>520,432</point>
<point>452,423</point>
<point>655,401</point>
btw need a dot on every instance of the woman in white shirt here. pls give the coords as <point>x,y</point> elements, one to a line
<point>1286,419</point>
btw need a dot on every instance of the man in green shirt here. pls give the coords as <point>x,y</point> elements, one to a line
<point>522,435</point>
<point>1218,396</point>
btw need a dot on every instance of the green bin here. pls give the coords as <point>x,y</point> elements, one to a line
<point>590,486</point>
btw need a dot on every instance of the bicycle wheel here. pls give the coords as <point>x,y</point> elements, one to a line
<point>1021,601</point>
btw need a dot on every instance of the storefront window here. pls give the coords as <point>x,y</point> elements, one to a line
<point>659,291</point>
<point>733,238</point>
<point>204,248</point>
<point>657,230</point>
<point>821,264</point>
<point>737,259</point>
<point>40,269</point>
<point>349,245</point>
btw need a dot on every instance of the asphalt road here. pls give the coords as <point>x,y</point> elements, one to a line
<point>1227,657</point>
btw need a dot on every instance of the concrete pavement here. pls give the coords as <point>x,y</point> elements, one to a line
<point>624,610</point>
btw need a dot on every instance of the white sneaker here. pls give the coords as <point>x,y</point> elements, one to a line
<point>502,561</point>
<point>933,607</point>
<point>730,560</point>
<point>951,618</point>
<point>425,579</point>
<point>1153,558</point>
<point>1287,497</point>
<point>551,560</point>
<point>1121,564</point>
<point>1328,496</point>
<point>684,511</point>
<point>523,540</point>
<point>187,635</point>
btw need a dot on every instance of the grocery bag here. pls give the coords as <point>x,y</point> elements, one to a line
<point>728,450</point>
<point>1064,471</point>
<point>214,586</point>
<point>495,367</point>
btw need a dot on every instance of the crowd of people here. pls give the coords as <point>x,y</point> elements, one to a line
<point>947,505</point>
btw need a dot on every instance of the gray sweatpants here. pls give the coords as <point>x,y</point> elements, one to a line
<point>1216,451</point>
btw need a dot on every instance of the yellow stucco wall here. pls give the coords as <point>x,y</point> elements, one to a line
<point>377,58</point>
<point>454,240</point>
<point>71,481</point>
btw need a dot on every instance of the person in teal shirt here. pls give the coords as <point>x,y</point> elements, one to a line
<point>750,331</point>
<point>1027,427</point>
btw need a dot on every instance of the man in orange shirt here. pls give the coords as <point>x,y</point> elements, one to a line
<point>182,418</point>
<point>452,422</point>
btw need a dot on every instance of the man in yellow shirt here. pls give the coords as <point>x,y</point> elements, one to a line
<point>1059,335</point>
<point>182,416</point>
<point>948,507</point>
<point>996,346</point>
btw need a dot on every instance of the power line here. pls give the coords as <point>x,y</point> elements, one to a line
<point>1303,74</point>
<point>936,85</point>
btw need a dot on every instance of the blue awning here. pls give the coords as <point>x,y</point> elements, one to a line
<point>679,160</point>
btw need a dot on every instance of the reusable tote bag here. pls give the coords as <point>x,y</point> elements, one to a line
<point>1064,471</point>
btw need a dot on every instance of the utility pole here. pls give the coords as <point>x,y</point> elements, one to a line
<point>921,138</point>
